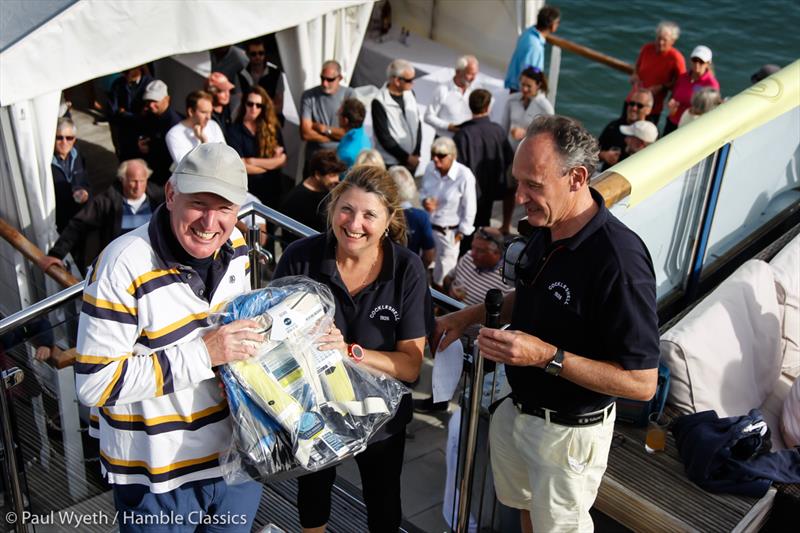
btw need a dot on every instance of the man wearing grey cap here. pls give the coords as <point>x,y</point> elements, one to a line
<point>149,141</point>
<point>146,353</point>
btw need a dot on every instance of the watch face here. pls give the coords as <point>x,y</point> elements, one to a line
<point>357,352</point>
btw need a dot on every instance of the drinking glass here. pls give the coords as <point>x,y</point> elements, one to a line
<point>656,433</point>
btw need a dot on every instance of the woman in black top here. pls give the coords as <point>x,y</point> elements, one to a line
<point>380,289</point>
<point>256,136</point>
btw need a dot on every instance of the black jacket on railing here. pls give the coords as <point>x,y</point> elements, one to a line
<point>97,224</point>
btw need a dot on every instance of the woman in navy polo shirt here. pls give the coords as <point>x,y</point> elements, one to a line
<point>380,290</point>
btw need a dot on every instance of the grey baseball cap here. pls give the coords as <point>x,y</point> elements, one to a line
<point>156,90</point>
<point>215,168</point>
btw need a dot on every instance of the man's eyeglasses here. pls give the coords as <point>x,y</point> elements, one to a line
<point>329,80</point>
<point>485,235</point>
<point>65,137</point>
<point>406,80</point>
<point>257,53</point>
<point>254,104</point>
<point>439,155</point>
<point>637,105</point>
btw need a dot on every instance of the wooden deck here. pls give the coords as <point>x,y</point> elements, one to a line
<point>651,493</point>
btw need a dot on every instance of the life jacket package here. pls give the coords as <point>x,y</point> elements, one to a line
<point>294,406</point>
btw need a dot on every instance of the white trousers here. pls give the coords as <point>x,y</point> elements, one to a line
<point>446,254</point>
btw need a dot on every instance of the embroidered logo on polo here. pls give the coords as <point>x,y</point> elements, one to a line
<point>385,313</point>
<point>560,292</point>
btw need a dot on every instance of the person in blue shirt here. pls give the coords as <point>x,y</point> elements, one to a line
<point>351,119</point>
<point>418,223</point>
<point>529,51</point>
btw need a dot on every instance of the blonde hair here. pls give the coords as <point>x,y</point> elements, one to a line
<point>377,181</point>
<point>370,157</point>
<point>406,188</point>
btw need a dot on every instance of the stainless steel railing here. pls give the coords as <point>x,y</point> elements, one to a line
<point>256,212</point>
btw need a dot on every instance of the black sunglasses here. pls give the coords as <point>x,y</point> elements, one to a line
<point>254,104</point>
<point>329,80</point>
<point>65,137</point>
<point>439,155</point>
<point>637,105</point>
<point>485,235</point>
<point>407,80</point>
<point>257,53</point>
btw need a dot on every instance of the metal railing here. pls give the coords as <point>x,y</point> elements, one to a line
<point>256,213</point>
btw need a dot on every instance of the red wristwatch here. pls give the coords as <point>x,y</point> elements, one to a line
<point>355,352</point>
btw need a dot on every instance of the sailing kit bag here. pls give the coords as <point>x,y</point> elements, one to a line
<point>296,407</point>
<point>637,413</point>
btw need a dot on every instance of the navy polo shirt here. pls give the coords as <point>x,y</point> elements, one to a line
<point>594,295</point>
<point>388,310</point>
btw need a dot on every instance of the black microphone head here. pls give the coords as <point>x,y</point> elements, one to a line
<point>493,300</point>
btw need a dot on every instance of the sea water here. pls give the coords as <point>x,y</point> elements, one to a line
<point>742,36</point>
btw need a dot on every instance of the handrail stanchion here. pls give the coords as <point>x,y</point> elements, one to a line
<point>475,394</point>
<point>552,78</point>
<point>11,458</point>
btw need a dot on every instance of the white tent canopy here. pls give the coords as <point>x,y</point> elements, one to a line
<point>49,45</point>
<point>92,38</point>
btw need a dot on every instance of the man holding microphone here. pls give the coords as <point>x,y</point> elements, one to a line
<point>583,331</point>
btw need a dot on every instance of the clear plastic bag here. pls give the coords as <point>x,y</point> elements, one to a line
<point>296,407</point>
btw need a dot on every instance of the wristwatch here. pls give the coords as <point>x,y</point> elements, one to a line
<point>355,352</point>
<point>328,132</point>
<point>555,365</point>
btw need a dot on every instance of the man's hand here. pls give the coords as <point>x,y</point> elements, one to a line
<point>517,133</point>
<point>452,127</point>
<point>143,143</point>
<point>227,343</point>
<point>47,261</point>
<point>610,156</point>
<point>198,132</point>
<point>451,326</point>
<point>458,236</point>
<point>430,204</point>
<point>80,196</point>
<point>43,353</point>
<point>514,347</point>
<point>412,162</point>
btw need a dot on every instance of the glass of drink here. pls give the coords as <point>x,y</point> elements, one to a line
<point>656,433</point>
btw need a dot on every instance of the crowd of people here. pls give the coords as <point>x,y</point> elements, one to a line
<point>578,338</point>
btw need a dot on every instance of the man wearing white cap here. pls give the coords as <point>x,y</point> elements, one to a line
<point>146,355</point>
<point>638,136</point>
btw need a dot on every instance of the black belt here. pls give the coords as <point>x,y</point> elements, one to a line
<point>562,419</point>
<point>442,229</point>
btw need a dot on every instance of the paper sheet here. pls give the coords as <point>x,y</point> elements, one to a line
<point>447,366</point>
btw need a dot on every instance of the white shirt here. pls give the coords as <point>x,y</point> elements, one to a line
<point>519,116</point>
<point>454,194</point>
<point>181,139</point>
<point>449,106</point>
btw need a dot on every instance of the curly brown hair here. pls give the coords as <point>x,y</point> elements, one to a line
<point>267,125</point>
<point>377,181</point>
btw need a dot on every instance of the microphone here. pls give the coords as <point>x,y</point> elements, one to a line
<point>493,303</point>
